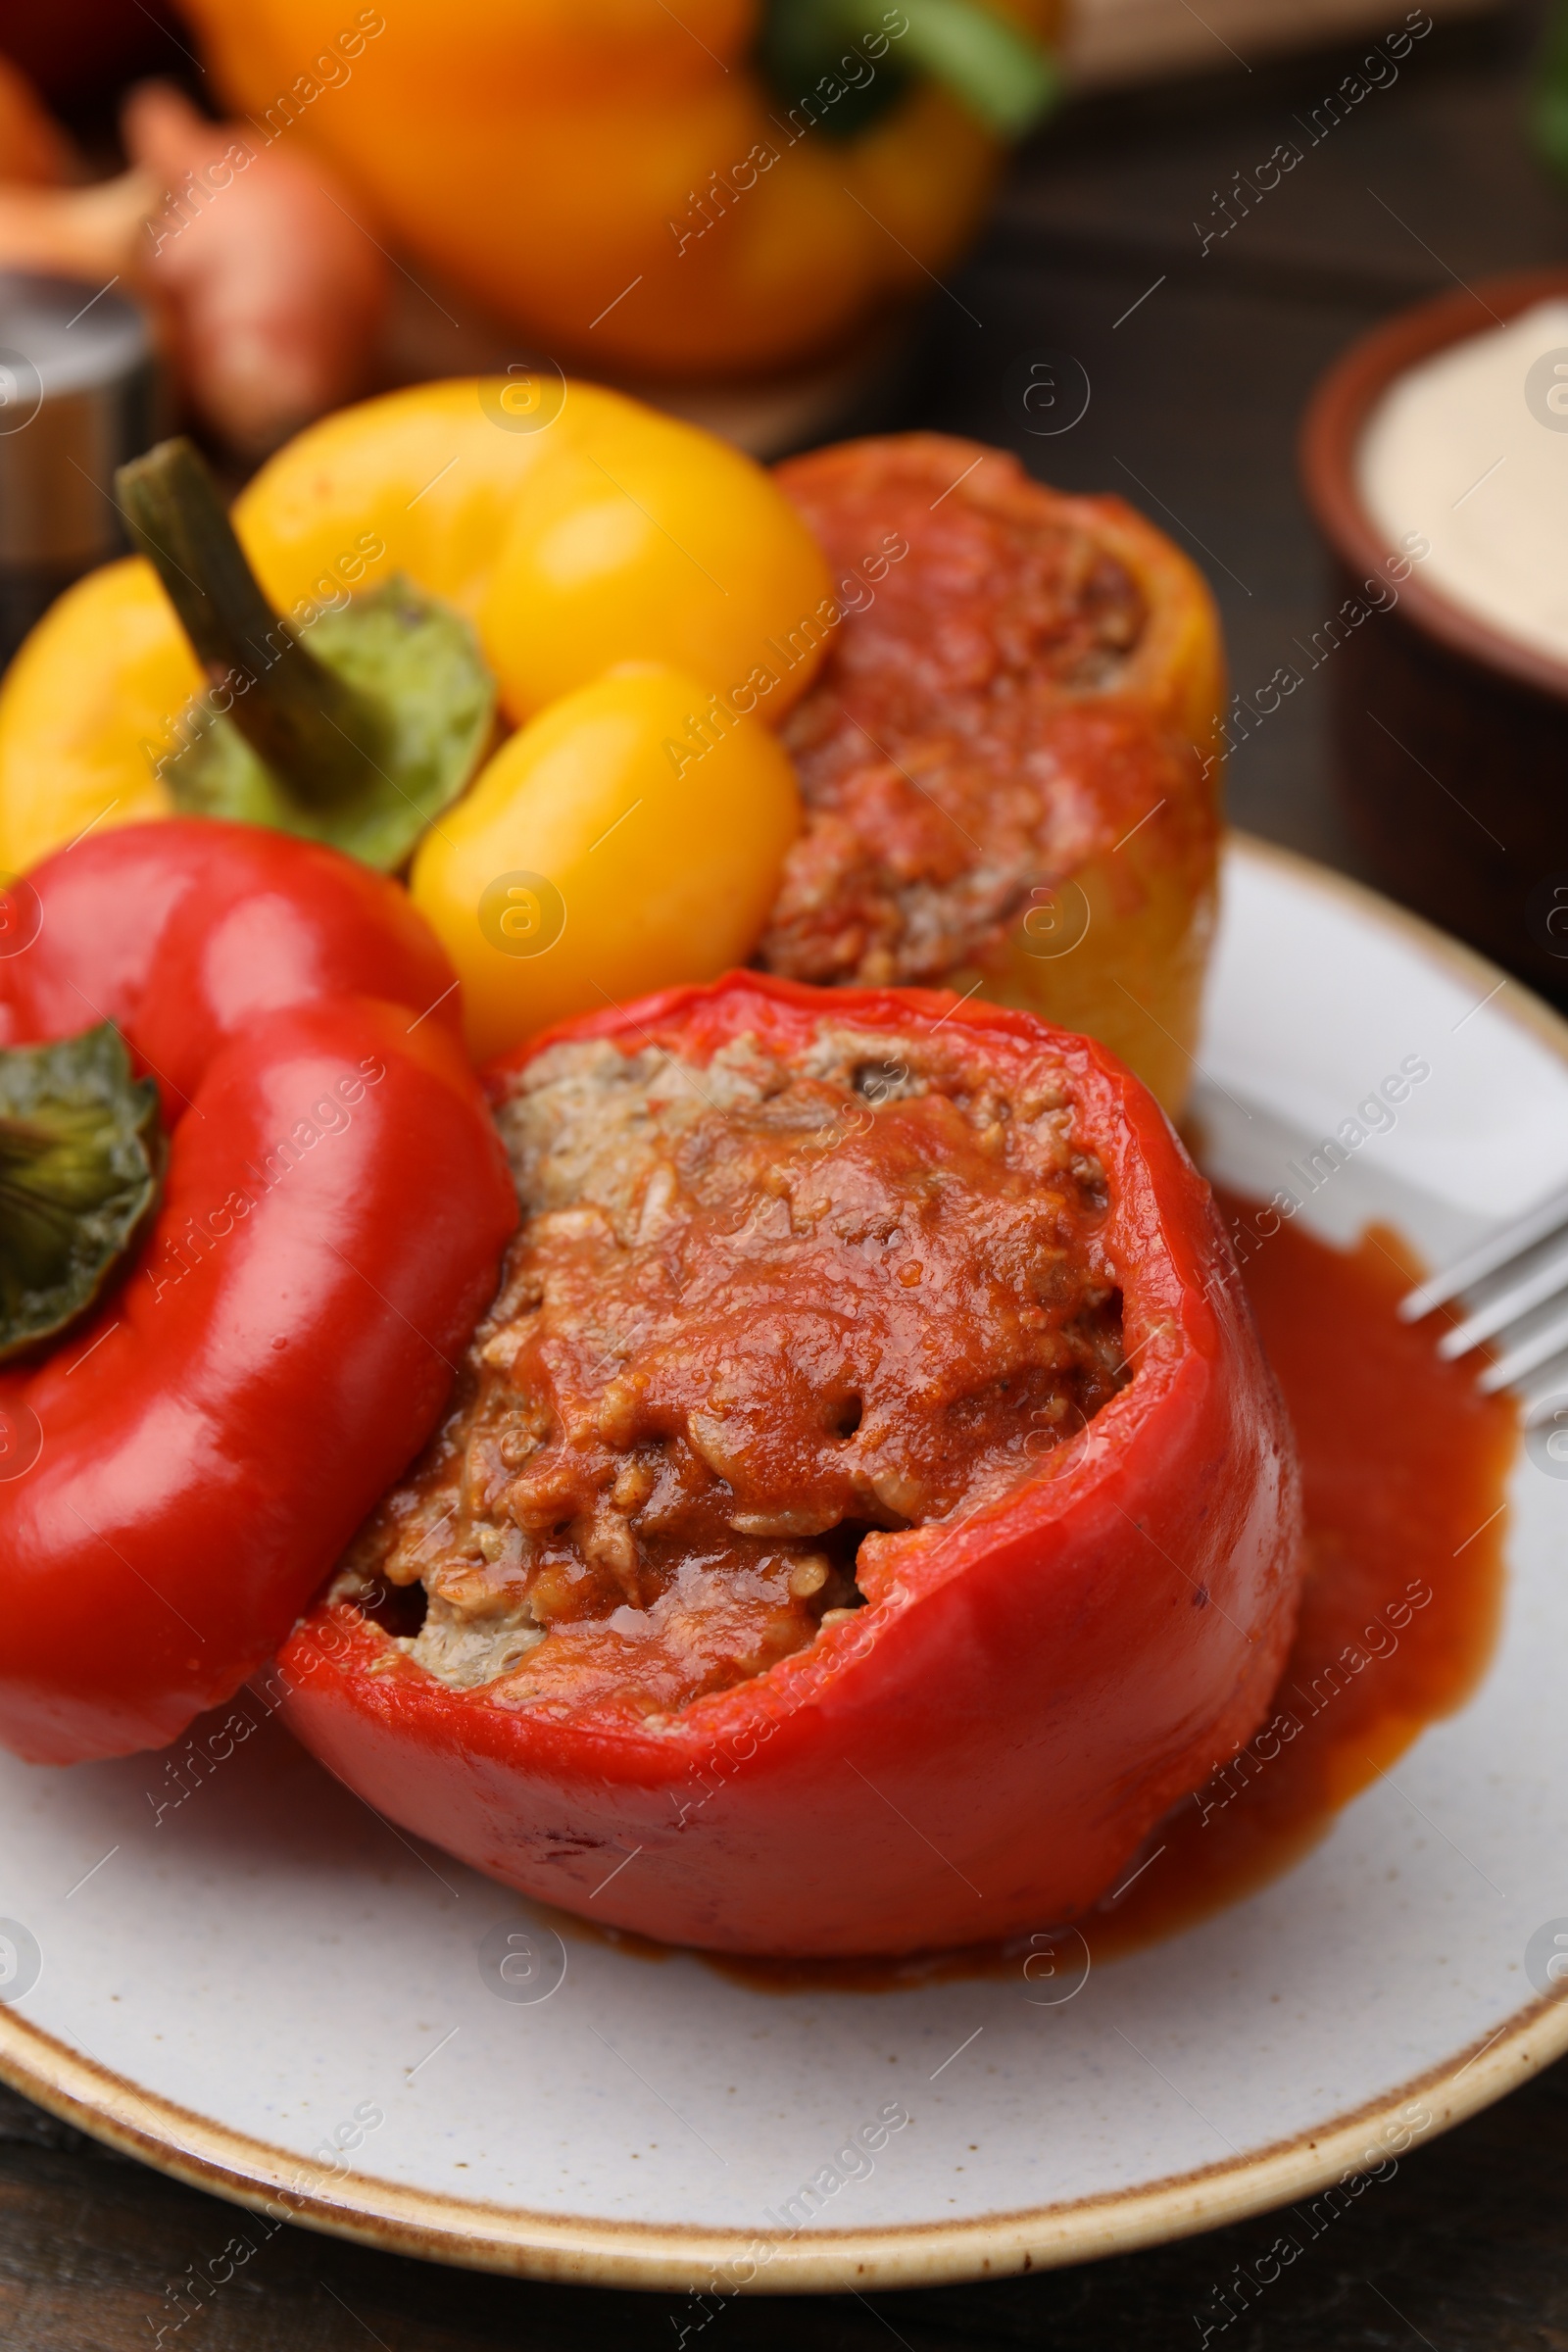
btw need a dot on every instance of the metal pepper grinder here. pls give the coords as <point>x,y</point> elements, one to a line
<point>77,397</point>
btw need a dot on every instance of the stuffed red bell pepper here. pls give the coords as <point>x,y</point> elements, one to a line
<point>251,1205</point>
<point>865,1508</point>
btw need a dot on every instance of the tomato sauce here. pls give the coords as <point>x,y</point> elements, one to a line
<point>970,732</point>
<point>761,1318</point>
<point>1404,1469</point>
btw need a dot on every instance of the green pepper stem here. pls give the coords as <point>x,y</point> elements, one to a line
<point>321,738</point>
<point>81,1155</point>
<point>23,1209</point>
<point>22,1140</point>
<point>996,71</point>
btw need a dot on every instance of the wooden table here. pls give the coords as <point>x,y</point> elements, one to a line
<point>1198,366</point>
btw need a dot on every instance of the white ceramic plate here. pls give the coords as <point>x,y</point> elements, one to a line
<point>267,1990</point>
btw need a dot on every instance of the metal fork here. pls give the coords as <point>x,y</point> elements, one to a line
<point>1514,1290</point>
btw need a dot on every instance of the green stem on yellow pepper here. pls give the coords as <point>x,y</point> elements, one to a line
<point>320,736</point>
<point>358,738</point>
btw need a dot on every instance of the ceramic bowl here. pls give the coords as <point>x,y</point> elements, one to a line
<point>1450,738</point>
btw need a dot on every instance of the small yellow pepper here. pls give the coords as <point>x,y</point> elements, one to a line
<point>588,865</point>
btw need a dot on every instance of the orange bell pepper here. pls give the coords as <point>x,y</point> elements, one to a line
<point>724,188</point>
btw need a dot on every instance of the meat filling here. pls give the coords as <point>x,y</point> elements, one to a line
<point>759,1319</point>
<point>964,739</point>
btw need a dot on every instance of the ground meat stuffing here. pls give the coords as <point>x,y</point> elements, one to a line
<point>964,739</point>
<point>757,1317</point>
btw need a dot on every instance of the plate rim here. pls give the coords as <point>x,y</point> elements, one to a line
<point>671,2256</point>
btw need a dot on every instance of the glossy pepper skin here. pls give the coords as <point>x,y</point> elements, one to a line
<point>441,482</point>
<point>979,1751</point>
<point>421,482</point>
<point>675,217</point>
<point>629,874</point>
<point>334,1208</point>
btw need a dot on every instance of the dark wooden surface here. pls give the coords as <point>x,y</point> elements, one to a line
<point>1192,409</point>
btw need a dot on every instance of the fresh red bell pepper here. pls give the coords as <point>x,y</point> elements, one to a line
<point>178,1472</point>
<point>980,1748</point>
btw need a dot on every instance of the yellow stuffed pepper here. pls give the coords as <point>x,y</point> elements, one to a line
<point>1010,757</point>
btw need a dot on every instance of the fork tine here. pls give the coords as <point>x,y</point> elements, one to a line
<point>1539,1348</point>
<point>1488,1256</point>
<point>1528,1290</point>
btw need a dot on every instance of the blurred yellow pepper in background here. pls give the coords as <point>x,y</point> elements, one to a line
<point>722,188</point>
<point>598,857</point>
<point>426,483</point>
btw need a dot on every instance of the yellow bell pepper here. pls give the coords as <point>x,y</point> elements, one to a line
<point>85,712</point>
<point>424,485</point>
<point>726,186</point>
<point>655,538</point>
<point>587,865</point>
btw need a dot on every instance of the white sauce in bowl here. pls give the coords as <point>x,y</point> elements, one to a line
<point>1457,450</point>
